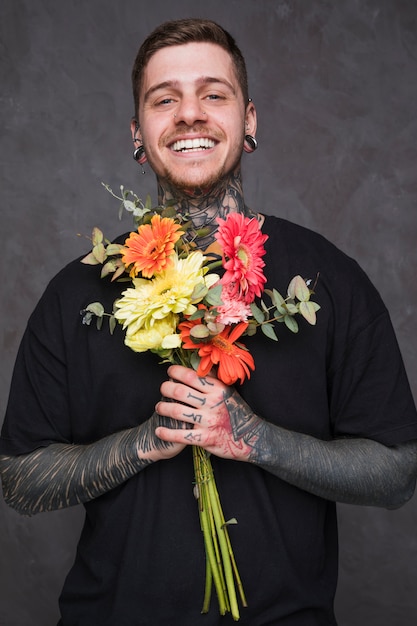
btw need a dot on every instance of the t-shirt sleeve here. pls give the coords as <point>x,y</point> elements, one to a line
<point>38,410</point>
<point>370,395</point>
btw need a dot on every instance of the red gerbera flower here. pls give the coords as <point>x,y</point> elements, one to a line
<point>149,249</point>
<point>242,242</point>
<point>233,360</point>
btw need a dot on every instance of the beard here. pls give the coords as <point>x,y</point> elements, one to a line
<point>192,179</point>
<point>199,173</point>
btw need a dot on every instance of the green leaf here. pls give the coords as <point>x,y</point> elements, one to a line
<point>199,292</point>
<point>112,324</point>
<point>269,331</point>
<point>194,359</point>
<point>264,307</point>
<point>148,202</point>
<point>99,252</point>
<point>114,248</point>
<point>291,323</point>
<point>251,329</point>
<point>298,289</point>
<point>96,308</point>
<point>276,298</point>
<point>197,314</point>
<point>120,270</point>
<point>97,236</point>
<point>90,259</point>
<point>257,313</point>
<point>230,522</point>
<point>291,309</point>
<point>308,311</point>
<point>199,332</point>
<point>108,268</point>
<point>214,296</point>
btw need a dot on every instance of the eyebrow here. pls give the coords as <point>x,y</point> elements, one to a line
<point>203,80</point>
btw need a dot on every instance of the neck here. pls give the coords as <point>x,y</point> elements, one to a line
<point>204,206</point>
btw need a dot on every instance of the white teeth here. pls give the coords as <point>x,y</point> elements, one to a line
<point>192,144</point>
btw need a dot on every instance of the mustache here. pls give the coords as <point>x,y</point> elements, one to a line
<point>197,129</point>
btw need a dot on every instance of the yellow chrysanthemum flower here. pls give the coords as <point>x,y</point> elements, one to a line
<point>161,336</point>
<point>168,293</point>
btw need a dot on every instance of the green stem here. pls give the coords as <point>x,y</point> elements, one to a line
<point>221,533</point>
<point>220,562</point>
<point>209,541</point>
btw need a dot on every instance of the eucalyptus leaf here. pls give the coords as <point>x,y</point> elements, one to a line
<point>199,292</point>
<point>97,236</point>
<point>197,314</point>
<point>96,308</point>
<point>194,360</point>
<point>292,309</point>
<point>214,296</point>
<point>99,252</point>
<point>90,259</point>
<point>251,330</point>
<point>108,268</point>
<point>264,307</point>
<point>112,324</point>
<point>308,311</point>
<point>291,323</point>
<point>257,313</point>
<point>269,331</point>
<point>120,270</point>
<point>114,248</point>
<point>129,205</point>
<point>298,289</point>
<point>276,298</point>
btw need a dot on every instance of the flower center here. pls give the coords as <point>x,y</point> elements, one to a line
<point>243,255</point>
<point>222,343</point>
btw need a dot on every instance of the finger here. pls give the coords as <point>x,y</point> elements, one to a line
<point>179,412</point>
<point>183,393</point>
<point>178,436</point>
<point>190,378</point>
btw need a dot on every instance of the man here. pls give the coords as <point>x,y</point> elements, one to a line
<point>327,415</point>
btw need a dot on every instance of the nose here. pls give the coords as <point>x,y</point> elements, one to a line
<point>189,111</point>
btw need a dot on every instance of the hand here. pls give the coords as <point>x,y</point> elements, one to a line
<point>150,446</point>
<point>220,420</point>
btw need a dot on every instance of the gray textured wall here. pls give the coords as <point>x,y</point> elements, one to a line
<point>335,84</point>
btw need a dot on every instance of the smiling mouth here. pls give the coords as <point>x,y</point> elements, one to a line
<point>192,145</point>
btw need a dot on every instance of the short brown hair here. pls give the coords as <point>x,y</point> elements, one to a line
<point>177,32</point>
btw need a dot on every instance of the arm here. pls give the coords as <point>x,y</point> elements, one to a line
<point>355,471</point>
<point>62,475</point>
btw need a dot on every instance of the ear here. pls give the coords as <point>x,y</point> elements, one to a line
<point>250,119</point>
<point>250,144</point>
<point>135,128</point>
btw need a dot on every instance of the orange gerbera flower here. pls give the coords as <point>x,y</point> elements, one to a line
<point>149,249</point>
<point>233,360</point>
<point>242,242</point>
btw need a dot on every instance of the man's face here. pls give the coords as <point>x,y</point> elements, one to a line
<point>192,115</point>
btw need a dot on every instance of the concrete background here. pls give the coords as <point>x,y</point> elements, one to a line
<point>335,84</point>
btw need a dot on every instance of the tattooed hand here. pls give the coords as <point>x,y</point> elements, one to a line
<point>152,447</point>
<point>220,421</point>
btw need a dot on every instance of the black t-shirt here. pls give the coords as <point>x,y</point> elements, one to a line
<point>140,559</point>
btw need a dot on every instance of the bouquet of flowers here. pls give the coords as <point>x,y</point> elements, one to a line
<point>178,307</point>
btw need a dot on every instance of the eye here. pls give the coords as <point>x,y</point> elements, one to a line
<point>214,96</point>
<point>165,101</point>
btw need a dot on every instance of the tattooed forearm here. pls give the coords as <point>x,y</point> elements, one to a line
<point>353,471</point>
<point>62,475</point>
